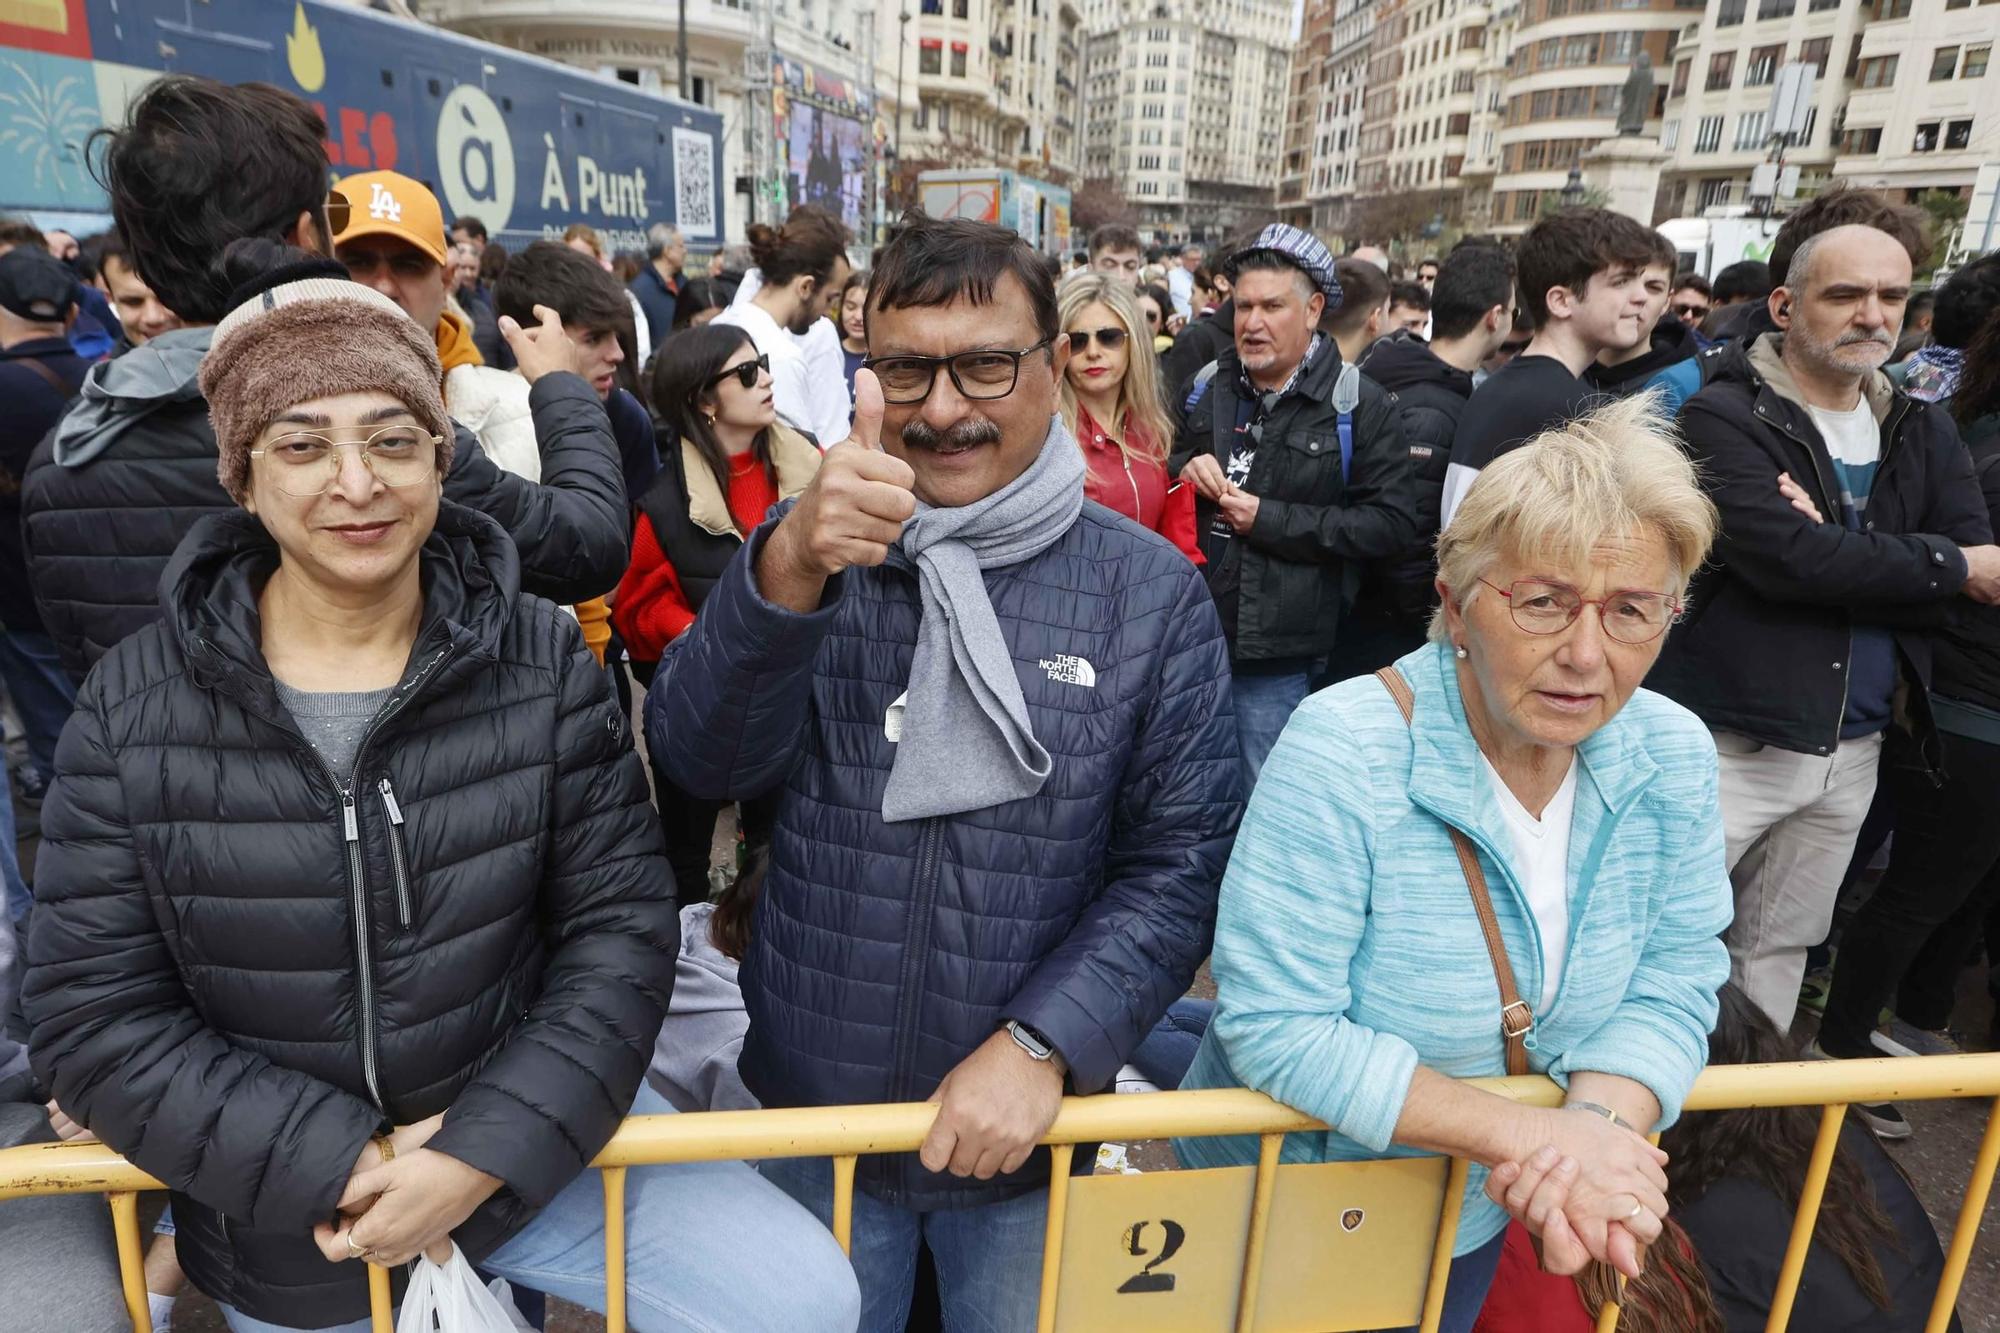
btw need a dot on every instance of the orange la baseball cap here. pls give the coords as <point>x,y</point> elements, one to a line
<point>388,203</point>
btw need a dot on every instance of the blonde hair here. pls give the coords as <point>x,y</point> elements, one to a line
<point>1139,394</point>
<point>1617,472</point>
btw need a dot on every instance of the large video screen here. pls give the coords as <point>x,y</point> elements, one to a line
<point>825,161</point>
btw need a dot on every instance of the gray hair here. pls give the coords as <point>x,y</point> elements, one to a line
<point>1616,472</point>
<point>659,236</point>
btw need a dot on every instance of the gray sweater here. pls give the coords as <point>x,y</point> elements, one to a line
<point>694,1058</point>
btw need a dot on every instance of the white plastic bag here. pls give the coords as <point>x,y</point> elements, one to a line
<point>450,1299</point>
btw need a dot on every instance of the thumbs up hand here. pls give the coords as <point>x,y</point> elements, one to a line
<point>851,514</point>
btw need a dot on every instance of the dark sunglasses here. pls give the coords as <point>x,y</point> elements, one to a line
<point>1109,339</point>
<point>338,210</point>
<point>1685,310</point>
<point>746,374</point>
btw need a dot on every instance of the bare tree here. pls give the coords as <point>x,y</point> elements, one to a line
<point>1097,202</point>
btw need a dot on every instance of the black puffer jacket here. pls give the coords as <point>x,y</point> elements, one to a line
<point>1300,562</point>
<point>1429,396</point>
<point>1968,651</point>
<point>1769,634</point>
<point>109,495</point>
<point>1201,342</point>
<point>194,985</point>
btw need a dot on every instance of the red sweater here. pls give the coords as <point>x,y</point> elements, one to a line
<point>1141,491</point>
<point>650,610</point>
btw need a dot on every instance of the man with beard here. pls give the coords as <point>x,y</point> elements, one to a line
<point>1850,523</point>
<point>801,268</point>
<point>995,720</point>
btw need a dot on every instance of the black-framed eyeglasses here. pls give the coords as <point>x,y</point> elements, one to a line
<point>1109,339</point>
<point>982,375</point>
<point>1633,615</point>
<point>745,372</point>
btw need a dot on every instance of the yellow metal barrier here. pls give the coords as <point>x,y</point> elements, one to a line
<point>1259,1285</point>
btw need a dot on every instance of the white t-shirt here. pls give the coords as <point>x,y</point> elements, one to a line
<point>1541,859</point>
<point>812,396</point>
<point>789,392</point>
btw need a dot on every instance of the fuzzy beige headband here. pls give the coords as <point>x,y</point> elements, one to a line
<point>312,339</point>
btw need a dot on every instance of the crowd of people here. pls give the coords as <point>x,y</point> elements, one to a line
<point>1502,666</point>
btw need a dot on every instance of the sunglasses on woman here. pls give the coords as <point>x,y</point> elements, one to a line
<point>1109,339</point>
<point>746,373</point>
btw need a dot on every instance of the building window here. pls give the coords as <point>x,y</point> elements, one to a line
<point>1708,136</point>
<point>1958,134</point>
<point>1776,9</point>
<point>1976,58</point>
<point>1877,72</point>
<point>934,7</point>
<point>1816,52</point>
<point>1459,124</point>
<point>1944,60</point>
<point>958,9</point>
<point>958,62</point>
<point>1892,9</point>
<point>1763,66</point>
<point>930,60</point>
<point>1805,136</point>
<point>1750,131</point>
<point>1868,141</point>
<point>1680,87</point>
<point>1729,13</point>
<point>1721,67</point>
<point>1926,140</point>
<point>1670,135</point>
<point>922,119</point>
<point>1713,194</point>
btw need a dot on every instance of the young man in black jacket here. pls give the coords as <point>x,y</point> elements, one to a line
<point>1472,312</point>
<point>1302,476</point>
<point>200,165</point>
<point>1850,523</point>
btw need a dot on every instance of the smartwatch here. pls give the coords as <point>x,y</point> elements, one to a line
<point>1034,1043</point>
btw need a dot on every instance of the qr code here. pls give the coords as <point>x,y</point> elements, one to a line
<point>694,183</point>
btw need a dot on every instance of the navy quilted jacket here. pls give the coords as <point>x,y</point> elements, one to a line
<point>883,954</point>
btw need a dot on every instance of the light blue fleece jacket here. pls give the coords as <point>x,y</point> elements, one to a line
<point>1347,950</point>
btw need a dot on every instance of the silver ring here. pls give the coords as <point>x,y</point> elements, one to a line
<point>354,1251</point>
<point>1637,1208</point>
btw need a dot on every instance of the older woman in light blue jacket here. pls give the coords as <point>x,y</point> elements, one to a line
<point>1354,978</point>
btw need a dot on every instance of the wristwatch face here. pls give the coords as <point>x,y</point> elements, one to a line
<point>1030,1040</point>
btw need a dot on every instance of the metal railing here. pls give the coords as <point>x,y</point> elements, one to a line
<point>846,1133</point>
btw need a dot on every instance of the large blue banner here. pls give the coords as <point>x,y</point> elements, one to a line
<point>526,145</point>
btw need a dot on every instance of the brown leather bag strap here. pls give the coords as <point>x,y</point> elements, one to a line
<point>1517,1020</point>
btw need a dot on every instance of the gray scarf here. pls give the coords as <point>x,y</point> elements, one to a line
<point>965,741</point>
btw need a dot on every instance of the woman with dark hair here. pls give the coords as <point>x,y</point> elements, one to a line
<point>701,300</point>
<point>1734,1177</point>
<point>853,324</point>
<point>725,459</point>
<point>1156,305</point>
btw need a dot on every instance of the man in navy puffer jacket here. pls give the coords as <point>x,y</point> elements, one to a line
<point>998,720</point>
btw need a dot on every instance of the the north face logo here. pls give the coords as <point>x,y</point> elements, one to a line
<point>382,205</point>
<point>1070,670</point>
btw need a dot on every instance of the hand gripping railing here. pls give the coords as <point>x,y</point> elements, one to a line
<point>846,1132</point>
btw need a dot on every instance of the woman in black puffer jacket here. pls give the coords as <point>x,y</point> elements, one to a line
<point>356,838</point>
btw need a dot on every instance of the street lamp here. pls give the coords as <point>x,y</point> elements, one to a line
<point>1572,190</point>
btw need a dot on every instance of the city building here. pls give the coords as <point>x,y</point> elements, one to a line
<point>1557,98</point>
<point>832,109</point>
<point>1718,124</point>
<point>994,82</point>
<point>1185,109</point>
<point>1337,142</point>
<point>1304,104</point>
<point>1924,112</point>
<point>1421,93</point>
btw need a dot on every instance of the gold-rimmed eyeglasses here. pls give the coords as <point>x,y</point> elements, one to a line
<point>305,464</point>
<point>1634,615</point>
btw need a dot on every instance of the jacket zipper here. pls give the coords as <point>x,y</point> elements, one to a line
<point>930,842</point>
<point>357,882</point>
<point>357,892</point>
<point>396,858</point>
<point>1138,506</point>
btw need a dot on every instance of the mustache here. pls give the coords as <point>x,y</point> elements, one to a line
<point>960,434</point>
<point>1877,336</point>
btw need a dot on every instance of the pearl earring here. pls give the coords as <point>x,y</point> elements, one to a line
<point>1460,652</point>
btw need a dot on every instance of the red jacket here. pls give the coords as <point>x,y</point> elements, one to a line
<point>1524,1299</point>
<point>1137,488</point>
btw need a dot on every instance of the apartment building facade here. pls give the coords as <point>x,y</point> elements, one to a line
<point>995,82</point>
<point>1924,110</point>
<point>1185,109</point>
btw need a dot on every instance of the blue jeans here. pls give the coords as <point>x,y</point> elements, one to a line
<point>1164,1056</point>
<point>1465,1289</point>
<point>17,899</point>
<point>988,1259</point>
<point>709,1246</point>
<point>1264,703</point>
<point>32,672</point>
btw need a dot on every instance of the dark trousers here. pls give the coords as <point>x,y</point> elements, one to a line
<point>1909,940</point>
